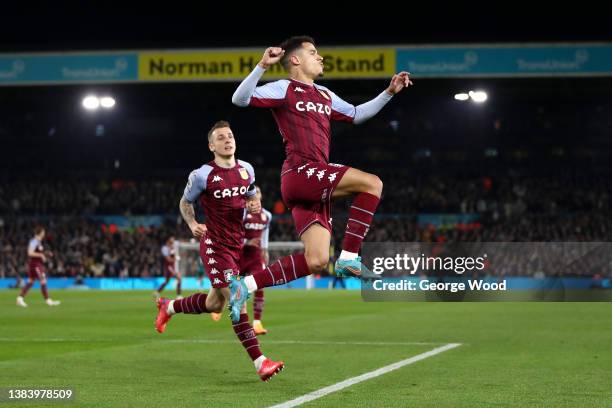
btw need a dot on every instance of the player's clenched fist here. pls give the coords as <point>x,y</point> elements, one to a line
<point>271,56</point>
<point>198,230</point>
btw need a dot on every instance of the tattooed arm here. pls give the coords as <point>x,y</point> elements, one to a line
<point>188,213</point>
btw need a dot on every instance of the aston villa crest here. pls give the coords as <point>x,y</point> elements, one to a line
<point>244,173</point>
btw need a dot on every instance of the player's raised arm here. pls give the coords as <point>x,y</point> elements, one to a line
<point>266,96</point>
<point>346,112</point>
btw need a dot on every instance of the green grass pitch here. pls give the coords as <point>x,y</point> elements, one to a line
<point>103,345</point>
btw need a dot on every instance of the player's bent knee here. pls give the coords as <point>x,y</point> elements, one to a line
<point>375,185</point>
<point>317,262</point>
<point>216,306</point>
<point>216,309</point>
<point>215,301</point>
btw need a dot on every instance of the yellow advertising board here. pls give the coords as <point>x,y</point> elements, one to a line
<point>232,65</point>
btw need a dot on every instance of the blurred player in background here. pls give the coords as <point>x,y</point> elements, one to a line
<point>255,256</point>
<point>225,187</point>
<point>36,268</point>
<point>303,112</point>
<point>168,264</point>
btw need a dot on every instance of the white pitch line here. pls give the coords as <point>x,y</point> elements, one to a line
<point>364,377</point>
<point>307,342</point>
<point>211,341</point>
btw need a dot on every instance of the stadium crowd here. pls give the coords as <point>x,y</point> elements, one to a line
<point>520,209</point>
<point>503,195</point>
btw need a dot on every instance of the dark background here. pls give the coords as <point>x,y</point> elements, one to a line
<point>534,161</point>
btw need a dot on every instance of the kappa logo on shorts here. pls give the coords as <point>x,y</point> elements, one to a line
<point>324,195</point>
<point>217,281</point>
<point>208,241</point>
<point>311,171</point>
<point>321,173</point>
<point>214,271</point>
<point>301,167</point>
<point>332,177</point>
<point>228,273</point>
<point>209,251</point>
<point>212,261</point>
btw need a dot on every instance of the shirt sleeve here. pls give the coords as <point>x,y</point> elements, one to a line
<point>32,245</point>
<point>196,183</point>
<point>346,112</point>
<point>270,95</point>
<point>341,110</point>
<point>366,110</point>
<point>165,251</point>
<point>251,191</point>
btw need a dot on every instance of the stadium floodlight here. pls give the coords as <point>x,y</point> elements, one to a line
<point>107,102</point>
<point>91,102</point>
<point>478,96</point>
<point>462,96</point>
